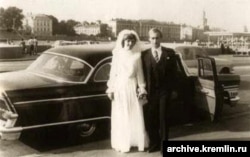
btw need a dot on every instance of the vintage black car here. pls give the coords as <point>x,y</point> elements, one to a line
<point>66,86</point>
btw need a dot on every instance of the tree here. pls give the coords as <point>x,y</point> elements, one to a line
<point>67,27</point>
<point>11,18</point>
<point>62,28</point>
<point>99,22</point>
<point>104,31</point>
<point>70,26</point>
<point>1,17</point>
<point>55,25</point>
<point>85,23</point>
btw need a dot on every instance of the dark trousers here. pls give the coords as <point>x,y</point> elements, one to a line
<point>31,52</point>
<point>155,115</point>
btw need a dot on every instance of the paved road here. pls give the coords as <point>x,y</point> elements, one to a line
<point>17,63</point>
<point>7,66</point>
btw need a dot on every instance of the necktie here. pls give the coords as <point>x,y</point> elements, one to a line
<point>156,56</point>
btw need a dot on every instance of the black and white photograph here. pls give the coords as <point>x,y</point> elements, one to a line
<point>127,78</point>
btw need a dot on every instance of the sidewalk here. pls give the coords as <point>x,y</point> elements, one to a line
<point>14,64</point>
<point>25,57</point>
<point>94,149</point>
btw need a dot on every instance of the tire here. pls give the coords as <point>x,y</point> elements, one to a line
<point>224,70</point>
<point>89,131</point>
<point>86,129</point>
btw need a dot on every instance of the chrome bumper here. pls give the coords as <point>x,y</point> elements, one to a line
<point>12,133</point>
<point>236,99</point>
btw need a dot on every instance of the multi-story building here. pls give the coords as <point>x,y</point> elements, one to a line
<point>186,33</point>
<point>189,33</point>
<point>170,31</point>
<point>234,39</point>
<point>90,29</point>
<point>42,25</point>
<point>39,25</point>
<point>118,25</point>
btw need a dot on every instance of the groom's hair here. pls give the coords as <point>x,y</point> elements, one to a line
<point>155,30</point>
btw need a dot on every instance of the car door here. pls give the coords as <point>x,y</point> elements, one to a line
<point>209,93</point>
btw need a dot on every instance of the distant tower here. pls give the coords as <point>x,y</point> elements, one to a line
<point>204,20</point>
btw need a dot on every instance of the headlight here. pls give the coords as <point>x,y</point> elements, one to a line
<point>3,101</point>
<point>7,117</point>
<point>3,108</point>
<point>232,70</point>
<point>3,104</point>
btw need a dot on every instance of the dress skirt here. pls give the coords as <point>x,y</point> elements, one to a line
<point>127,121</point>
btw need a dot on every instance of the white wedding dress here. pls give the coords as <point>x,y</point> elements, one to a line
<point>127,121</point>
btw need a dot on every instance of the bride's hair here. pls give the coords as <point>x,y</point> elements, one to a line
<point>128,37</point>
<point>127,34</point>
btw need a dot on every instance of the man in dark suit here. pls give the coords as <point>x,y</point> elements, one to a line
<point>159,66</point>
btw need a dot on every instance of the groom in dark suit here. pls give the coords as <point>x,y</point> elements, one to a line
<point>159,66</point>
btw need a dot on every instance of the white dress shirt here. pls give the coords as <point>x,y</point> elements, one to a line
<point>159,52</point>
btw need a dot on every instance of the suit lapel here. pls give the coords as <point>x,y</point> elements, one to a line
<point>148,58</point>
<point>164,53</point>
<point>148,64</point>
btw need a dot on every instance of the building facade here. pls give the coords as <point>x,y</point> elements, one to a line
<point>234,39</point>
<point>42,25</point>
<point>91,29</point>
<point>170,31</point>
<point>38,25</point>
<point>189,33</point>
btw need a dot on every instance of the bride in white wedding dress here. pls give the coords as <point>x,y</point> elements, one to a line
<point>126,83</point>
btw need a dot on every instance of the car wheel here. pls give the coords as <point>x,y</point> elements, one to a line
<point>224,71</point>
<point>86,129</point>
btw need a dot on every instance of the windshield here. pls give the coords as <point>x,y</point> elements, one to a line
<point>191,53</point>
<point>189,56</point>
<point>60,67</point>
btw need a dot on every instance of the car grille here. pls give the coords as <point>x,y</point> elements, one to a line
<point>3,108</point>
<point>233,94</point>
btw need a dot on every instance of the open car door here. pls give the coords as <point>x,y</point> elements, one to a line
<point>209,93</point>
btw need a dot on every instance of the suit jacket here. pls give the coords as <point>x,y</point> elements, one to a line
<point>170,68</point>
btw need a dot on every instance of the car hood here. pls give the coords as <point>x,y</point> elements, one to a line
<point>222,61</point>
<point>24,79</point>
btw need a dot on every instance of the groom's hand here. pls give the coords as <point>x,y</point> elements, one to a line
<point>111,96</point>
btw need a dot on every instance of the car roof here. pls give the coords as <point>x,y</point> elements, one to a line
<point>96,52</point>
<point>90,53</point>
<point>178,45</point>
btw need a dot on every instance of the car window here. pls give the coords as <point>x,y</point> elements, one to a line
<point>199,52</point>
<point>191,53</point>
<point>206,70</point>
<point>102,74</point>
<point>63,67</point>
<point>187,54</point>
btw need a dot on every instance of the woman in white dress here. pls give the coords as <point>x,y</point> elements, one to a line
<point>125,85</point>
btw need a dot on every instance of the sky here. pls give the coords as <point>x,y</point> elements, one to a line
<point>231,15</point>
